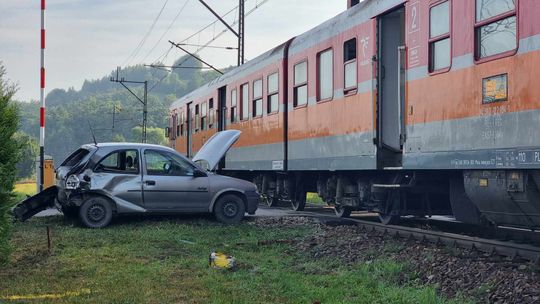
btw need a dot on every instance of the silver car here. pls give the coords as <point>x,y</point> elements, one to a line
<point>99,181</point>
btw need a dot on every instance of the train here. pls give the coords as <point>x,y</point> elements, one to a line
<point>398,107</point>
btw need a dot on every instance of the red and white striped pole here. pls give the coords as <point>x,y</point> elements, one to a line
<point>42,99</point>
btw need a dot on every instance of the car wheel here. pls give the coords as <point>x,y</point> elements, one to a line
<point>229,209</point>
<point>96,212</point>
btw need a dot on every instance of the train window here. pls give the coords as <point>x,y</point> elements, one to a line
<point>349,65</point>
<point>177,126</point>
<point>325,69</point>
<point>439,37</point>
<point>496,27</point>
<point>234,108</point>
<point>197,121</point>
<point>273,93</point>
<point>211,113</point>
<point>182,124</point>
<point>244,111</point>
<point>486,9</point>
<point>257,98</point>
<point>204,119</point>
<point>173,126</point>
<point>300,84</point>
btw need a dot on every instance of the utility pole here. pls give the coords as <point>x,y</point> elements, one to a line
<point>144,100</point>
<point>241,31</point>
<point>241,27</point>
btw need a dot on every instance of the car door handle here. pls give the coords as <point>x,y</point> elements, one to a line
<point>150,183</point>
<point>202,188</point>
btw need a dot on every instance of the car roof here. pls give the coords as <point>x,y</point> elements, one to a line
<point>126,145</point>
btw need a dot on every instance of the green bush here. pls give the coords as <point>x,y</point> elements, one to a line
<point>9,156</point>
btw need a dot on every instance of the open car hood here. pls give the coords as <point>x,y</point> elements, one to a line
<point>215,148</point>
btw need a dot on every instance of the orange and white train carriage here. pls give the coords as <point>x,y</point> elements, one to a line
<point>416,107</point>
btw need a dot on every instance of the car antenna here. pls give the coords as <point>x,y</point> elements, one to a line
<point>92,131</point>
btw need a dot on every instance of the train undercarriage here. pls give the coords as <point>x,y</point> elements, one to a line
<point>494,197</point>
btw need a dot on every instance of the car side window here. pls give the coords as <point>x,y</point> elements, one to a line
<point>166,164</point>
<point>120,161</point>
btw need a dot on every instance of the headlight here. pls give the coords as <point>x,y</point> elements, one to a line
<point>72,182</point>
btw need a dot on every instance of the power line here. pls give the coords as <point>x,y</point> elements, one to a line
<point>166,31</point>
<point>209,25</point>
<point>257,5</point>
<point>143,41</point>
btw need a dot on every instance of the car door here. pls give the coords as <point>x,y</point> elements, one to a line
<point>118,174</point>
<point>169,184</point>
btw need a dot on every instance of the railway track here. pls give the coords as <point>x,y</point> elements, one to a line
<point>491,245</point>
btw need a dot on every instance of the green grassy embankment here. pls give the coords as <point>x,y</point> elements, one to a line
<point>166,261</point>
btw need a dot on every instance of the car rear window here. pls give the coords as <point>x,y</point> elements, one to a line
<point>75,158</point>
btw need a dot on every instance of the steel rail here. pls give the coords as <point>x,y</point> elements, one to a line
<point>493,247</point>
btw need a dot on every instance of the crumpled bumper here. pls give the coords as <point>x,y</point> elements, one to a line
<point>35,204</point>
<point>253,200</point>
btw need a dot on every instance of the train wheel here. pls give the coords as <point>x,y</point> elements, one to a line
<point>269,200</point>
<point>299,201</point>
<point>388,219</point>
<point>342,211</point>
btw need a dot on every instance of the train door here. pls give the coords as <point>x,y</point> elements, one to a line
<point>391,41</point>
<point>222,108</point>
<point>189,126</point>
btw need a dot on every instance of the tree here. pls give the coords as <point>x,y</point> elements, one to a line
<point>30,150</point>
<point>153,135</point>
<point>9,155</point>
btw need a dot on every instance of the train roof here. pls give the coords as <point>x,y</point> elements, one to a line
<point>363,11</point>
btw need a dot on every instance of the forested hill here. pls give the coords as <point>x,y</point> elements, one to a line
<point>71,112</point>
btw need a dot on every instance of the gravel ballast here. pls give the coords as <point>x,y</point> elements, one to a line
<point>455,272</point>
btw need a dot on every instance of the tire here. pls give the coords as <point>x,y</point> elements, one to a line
<point>229,209</point>
<point>299,201</point>
<point>342,211</point>
<point>70,212</point>
<point>96,212</point>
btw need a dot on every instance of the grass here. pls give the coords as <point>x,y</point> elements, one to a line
<point>313,198</point>
<point>166,261</point>
<point>25,188</point>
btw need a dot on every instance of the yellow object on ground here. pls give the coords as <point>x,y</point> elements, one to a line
<point>222,261</point>
<point>47,296</point>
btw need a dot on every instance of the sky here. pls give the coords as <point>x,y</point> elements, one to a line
<point>87,39</point>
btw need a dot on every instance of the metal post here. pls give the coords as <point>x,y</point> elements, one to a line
<point>144,100</point>
<point>145,111</point>
<point>241,28</point>
<point>42,99</point>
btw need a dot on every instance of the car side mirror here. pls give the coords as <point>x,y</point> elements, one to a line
<point>199,173</point>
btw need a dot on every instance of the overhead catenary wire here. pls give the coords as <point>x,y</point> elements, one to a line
<point>205,45</point>
<point>166,31</point>
<point>143,41</point>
